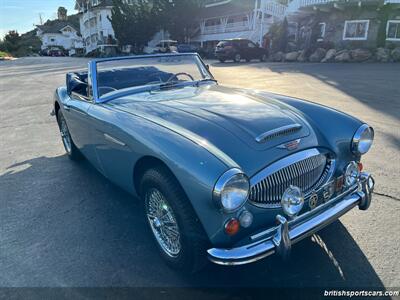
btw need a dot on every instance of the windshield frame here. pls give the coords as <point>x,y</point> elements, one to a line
<point>93,76</point>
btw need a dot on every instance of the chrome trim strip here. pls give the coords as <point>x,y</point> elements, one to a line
<point>277,131</point>
<point>294,230</point>
<point>114,140</point>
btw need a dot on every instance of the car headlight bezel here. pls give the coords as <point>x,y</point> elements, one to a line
<point>362,140</point>
<point>224,190</point>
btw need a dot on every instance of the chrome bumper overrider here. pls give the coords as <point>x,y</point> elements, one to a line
<point>280,238</point>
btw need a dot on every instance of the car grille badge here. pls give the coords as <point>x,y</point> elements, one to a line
<point>290,146</point>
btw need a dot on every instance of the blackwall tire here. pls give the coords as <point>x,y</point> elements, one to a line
<point>69,146</point>
<point>189,254</point>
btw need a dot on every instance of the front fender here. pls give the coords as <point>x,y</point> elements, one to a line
<point>196,168</point>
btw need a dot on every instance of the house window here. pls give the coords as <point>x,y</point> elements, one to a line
<point>52,40</point>
<point>393,30</point>
<point>356,30</point>
<point>321,33</point>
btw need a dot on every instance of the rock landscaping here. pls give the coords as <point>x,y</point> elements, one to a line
<point>340,56</point>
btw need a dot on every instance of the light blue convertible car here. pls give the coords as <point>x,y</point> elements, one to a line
<point>227,174</point>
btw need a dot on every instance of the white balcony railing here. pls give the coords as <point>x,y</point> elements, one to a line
<point>392,1</point>
<point>230,27</point>
<point>274,8</point>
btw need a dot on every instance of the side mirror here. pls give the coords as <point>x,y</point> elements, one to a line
<point>75,85</point>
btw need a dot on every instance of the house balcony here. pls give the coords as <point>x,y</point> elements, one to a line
<point>230,27</point>
<point>296,5</point>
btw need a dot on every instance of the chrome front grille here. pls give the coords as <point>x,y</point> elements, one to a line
<point>306,173</point>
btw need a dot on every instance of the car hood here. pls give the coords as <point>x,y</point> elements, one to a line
<point>229,119</point>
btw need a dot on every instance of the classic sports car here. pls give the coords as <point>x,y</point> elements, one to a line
<point>230,174</point>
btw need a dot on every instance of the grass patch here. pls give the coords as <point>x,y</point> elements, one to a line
<point>4,54</point>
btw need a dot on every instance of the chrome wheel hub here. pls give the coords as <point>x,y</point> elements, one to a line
<point>65,136</point>
<point>163,222</point>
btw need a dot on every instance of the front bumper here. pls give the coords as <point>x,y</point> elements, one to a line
<point>279,239</point>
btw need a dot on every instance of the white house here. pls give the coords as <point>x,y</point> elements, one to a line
<point>339,22</point>
<point>249,19</point>
<point>95,26</point>
<point>60,34</point>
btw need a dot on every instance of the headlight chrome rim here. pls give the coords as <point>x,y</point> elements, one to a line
<point>352,166</point>
<point>357,140</point>
<point>222,182</point>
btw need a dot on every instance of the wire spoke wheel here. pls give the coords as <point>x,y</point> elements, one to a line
<point>65,136</point>
<point>163,222</point>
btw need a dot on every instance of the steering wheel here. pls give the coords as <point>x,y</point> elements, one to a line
<point>175,76</point>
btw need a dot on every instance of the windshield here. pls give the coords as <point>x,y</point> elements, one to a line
<point>130,74</point>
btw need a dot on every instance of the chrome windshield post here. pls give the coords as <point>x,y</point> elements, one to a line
<point>92,81</point>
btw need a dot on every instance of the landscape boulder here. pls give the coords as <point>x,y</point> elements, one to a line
<point>291,56</point>
<point>278,56</point>
<point>318,55</point>
<point>302,56</point>
<point>359,55</point>
<point>330,56</point>
<point>396,54</point>
<point>342,56</point>
<point>382,54</point>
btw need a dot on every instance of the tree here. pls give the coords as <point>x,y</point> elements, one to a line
<point>179,17</point>
<point>12,41</point>
<point>134,24</point>
<point>62,13</point>
<point>279,35</point>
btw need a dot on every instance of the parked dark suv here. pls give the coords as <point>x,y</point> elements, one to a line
<point>238,49</point>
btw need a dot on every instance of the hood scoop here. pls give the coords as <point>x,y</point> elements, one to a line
<point>277,132</point>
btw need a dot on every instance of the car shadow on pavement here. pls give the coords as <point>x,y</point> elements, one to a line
<point>63,224</point>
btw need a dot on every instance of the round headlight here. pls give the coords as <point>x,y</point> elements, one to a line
<point>292,201</point>
<point>362,140</point>
<point>351,174</point>
<point>231,190</point>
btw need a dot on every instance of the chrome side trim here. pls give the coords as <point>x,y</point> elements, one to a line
<point>277,132</point>
<point>113,140</point>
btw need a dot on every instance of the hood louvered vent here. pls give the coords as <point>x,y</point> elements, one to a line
<point>281,131</point>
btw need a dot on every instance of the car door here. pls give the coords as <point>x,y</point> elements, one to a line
<point>80,125</point>
<point>112,144</point>
<point>252,50</point>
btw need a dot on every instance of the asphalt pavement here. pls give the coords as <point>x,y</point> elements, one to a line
<point>64,225</point>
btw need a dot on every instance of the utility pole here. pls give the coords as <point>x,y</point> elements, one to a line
<point>40,19</point>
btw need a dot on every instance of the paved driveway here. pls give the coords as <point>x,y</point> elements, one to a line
<point>63,224</point>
